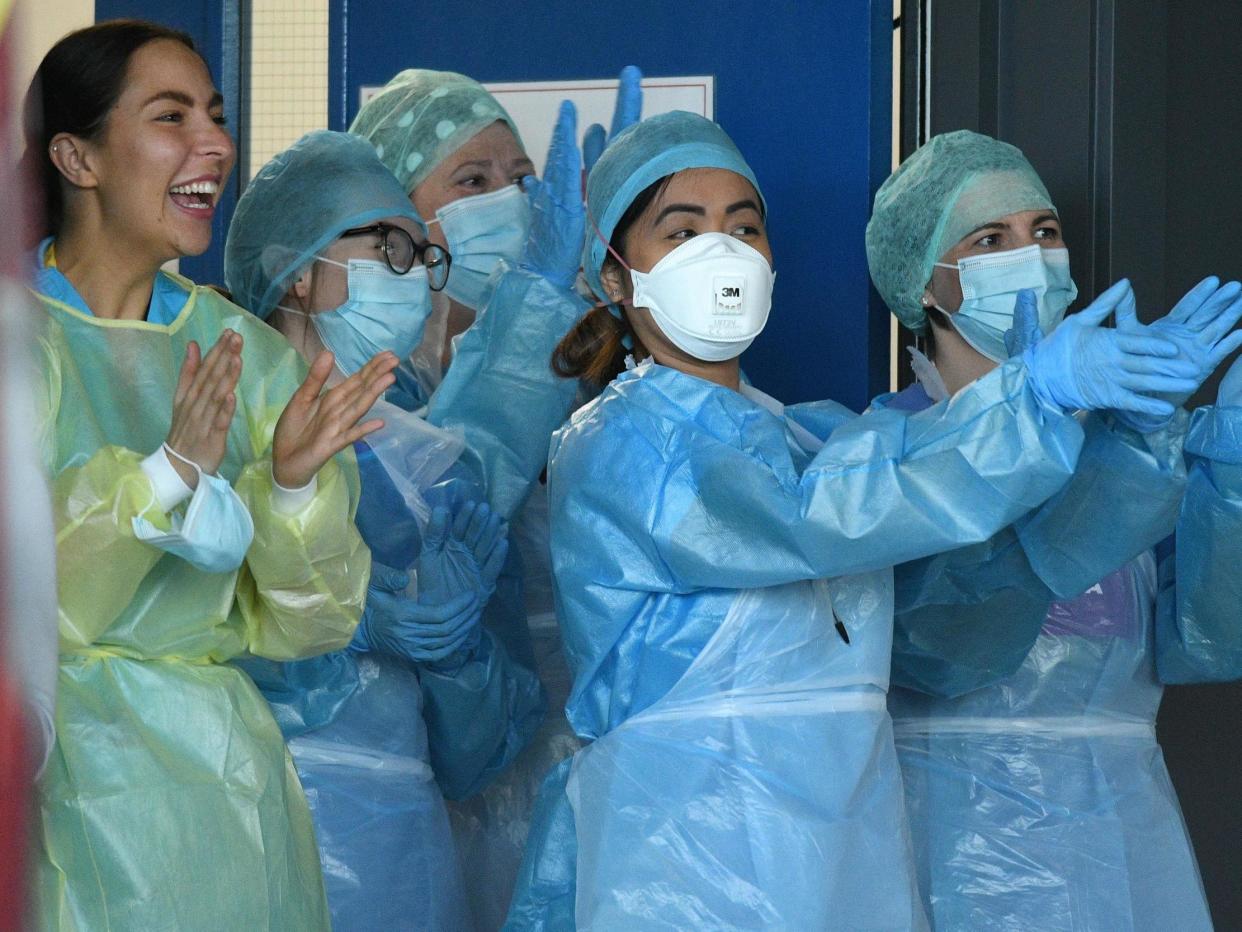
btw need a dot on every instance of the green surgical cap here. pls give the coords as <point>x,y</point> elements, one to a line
<point>638,158</point>
<point>948,187</point>
<point>299,203</point>
<point>421,117</point>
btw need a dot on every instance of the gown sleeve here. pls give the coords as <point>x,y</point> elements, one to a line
<point>95,498</point>
<point>304,581</point>
<point>501,390</point>
<point>1199,606</point>
<point>968,617</point>
<point>302,587</point>
<point>479,717</point>
<point>682,510</point>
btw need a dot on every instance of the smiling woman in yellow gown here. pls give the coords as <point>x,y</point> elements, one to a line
<point>169,800</point>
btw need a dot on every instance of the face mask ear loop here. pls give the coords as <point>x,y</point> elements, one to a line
<point>169,451</point>
<point>611,305</point>
<point>952,266</point>
<point>614,307</point>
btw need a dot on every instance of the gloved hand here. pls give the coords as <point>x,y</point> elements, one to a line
<point>466,555</point>
<point>457,571</point>
<point>395,624</point>
<point>627,111</point>
<point>1230,391</point>
<point>1199,326</point>
<point>1083,365</point>
<point>557,214</point>
<point>1025,332</point>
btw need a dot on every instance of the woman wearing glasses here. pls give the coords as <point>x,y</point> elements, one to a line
<point>325,246</point>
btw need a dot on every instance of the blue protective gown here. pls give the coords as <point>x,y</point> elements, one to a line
<point>1199,634</point>
<point>724,589</point>
<point>1037,794</point>
<point>378,742</point>
<point>505,399</point>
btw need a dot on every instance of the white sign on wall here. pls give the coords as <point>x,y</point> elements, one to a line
<point>534,104</point>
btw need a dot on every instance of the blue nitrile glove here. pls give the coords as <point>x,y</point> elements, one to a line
<point>395,624</point>
<point>557,214</point>
<point>1200,326</point>
<point>1081,365</point>
<point>1230,391</point>
<point>626,112</point>
<point>1025,332</point>
<point>467,554</point>
<point>457,570</point>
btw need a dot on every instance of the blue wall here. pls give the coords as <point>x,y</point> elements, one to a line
<point>803,88</point>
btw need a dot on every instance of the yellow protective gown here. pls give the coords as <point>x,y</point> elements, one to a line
<point>170,801</point>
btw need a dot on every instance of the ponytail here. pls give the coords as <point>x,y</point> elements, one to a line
<point>594,350</point>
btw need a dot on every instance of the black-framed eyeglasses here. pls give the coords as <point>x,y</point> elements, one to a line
<point>401,252</point>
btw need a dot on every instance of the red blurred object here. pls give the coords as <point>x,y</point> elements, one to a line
<point>14,758</point>
<point>14,792</point>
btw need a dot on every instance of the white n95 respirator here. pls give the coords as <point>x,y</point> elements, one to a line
<point>710,296</point>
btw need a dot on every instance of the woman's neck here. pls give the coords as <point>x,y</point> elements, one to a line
<point>113,283</point>
<point>957,361</point>
<point>302,335</point>
<point>726,374</point>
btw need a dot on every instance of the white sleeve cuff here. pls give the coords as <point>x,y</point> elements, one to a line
<point>291,501</point>
<point>170,488</point>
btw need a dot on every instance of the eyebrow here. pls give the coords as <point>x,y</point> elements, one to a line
<point>217,99</point>
<point>679,209</point>
<point>747,204</point>
<point>1044,218</point>
<point>994,225</point>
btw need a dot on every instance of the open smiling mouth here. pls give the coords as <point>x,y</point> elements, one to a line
<point>195,196</point>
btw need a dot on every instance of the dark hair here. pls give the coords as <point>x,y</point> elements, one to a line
<point>594,350</point>
<point>75,88</point>
<point>936,320</point>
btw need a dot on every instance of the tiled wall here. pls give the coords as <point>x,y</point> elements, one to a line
<point>289,74</point>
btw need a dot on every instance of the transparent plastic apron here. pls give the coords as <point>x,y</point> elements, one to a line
<point>763,790</point>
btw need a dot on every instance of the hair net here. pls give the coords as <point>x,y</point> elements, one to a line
<point>948,187</point>
<point>642,155</point>
<point>298,203</point>
<point>422,116</point>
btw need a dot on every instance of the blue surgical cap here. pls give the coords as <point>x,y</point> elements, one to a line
<point>421,117</point>
<point>638,158</point>
<point>298,204</point>
<point>951,185</point>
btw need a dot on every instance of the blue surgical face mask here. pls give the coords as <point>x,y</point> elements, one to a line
<point>384,311</point>
<point>990,286</point>
<point>216,531</point>
<point>481,231</point>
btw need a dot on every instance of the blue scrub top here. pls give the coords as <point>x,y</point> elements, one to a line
<point>168,297</point>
